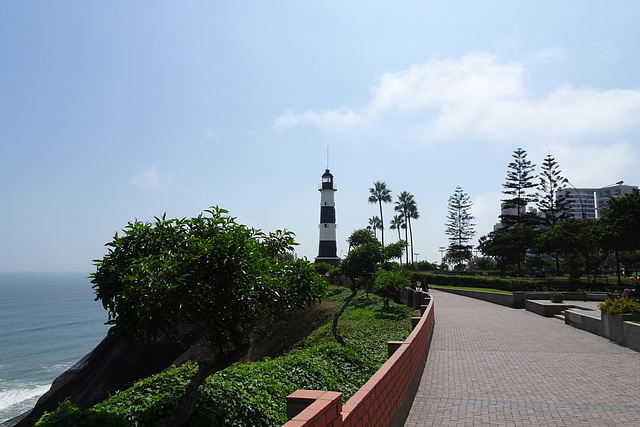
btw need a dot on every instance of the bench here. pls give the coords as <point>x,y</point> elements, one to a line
<point>616,291</point>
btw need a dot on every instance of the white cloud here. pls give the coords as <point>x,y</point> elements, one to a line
<point>151,179</point>
<point>337,121</point>
<point>477,97</point>
<point>595,165</point>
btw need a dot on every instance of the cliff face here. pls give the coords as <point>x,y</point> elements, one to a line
<point>113,365</point>
<point>116,365</point>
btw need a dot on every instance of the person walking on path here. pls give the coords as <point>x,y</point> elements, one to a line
<point>493,365</point>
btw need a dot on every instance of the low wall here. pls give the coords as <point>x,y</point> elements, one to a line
<point>631,335</point>
<point>586,323</point>
<point>515,300</point>
<point>385,400</point>
<point>518,299</point>
<point>618,328</point>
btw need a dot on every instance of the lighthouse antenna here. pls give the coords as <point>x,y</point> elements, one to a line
<point>327,157</point>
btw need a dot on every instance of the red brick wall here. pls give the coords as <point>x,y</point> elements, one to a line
<point>378,402</point>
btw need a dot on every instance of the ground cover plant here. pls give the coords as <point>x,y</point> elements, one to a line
<point>254,394</point>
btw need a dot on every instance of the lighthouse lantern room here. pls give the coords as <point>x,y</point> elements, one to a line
<point>327,251</point>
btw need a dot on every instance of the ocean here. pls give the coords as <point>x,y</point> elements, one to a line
<point>48,322</point>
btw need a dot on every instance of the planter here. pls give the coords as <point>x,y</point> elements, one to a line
<point>613,325</point>
<point>556,298</point>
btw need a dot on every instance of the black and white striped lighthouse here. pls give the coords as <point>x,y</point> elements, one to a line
<point>327,251</point>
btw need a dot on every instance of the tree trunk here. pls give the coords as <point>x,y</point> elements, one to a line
<point>381,222</point>
<point>406,236</point>
<point>411,237</point>
<point>205,368</point>
<point>618,265</point>
<point>334,326</point>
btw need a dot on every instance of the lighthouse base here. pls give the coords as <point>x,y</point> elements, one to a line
<point>332,261</point>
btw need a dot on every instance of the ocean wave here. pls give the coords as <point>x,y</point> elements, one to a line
<point>17,398</point>
<point>57,367</point>
<point>46,327</point>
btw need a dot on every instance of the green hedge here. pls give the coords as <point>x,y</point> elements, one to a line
<point>483,282</point>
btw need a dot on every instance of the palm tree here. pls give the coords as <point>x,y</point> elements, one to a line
<point>397,222</point>
<point>408,207</point>
<point>380,193</point>
<point>375,224</point>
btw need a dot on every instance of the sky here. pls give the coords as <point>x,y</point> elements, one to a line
<point>120,111</point>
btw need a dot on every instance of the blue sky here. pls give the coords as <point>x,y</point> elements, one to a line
<point>118,111</point>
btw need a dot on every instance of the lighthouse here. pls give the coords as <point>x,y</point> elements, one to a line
<point>327,251</point>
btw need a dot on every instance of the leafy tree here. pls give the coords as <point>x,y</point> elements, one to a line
<point>518,185</point>
<point>457,256</point>
<point>507,246</point>
<point>580,244</point>
<point>459,227</point>
<point>389,282</point>
<point>380,194</point>
<point>360,237</point>
<point>208,271</point>
<point>408,208</point>
<point>374,224</point>
<point>484,263</point>
<point>322,268</point>
<point>621,219</point>
<point>426,266</point>
<point>395,250</point>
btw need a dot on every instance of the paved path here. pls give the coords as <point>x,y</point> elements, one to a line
<point>493,365</point>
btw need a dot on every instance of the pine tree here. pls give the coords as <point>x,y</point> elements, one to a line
<point>459,227</point>
<point>552,203</point>
<point>518,185</point>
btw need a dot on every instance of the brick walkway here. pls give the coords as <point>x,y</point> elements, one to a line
<point>493,365</point>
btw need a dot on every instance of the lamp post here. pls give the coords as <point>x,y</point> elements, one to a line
<point>579,196</point>
<point>441,249</point>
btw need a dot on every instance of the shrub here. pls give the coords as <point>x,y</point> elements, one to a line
<point>67,415</point>
<point>389,283</point>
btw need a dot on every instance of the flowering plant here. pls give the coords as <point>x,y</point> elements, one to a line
<point>620,306</point>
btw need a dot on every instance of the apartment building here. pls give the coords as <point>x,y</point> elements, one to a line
<point>588,202</point>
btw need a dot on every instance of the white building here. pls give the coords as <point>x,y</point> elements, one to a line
<point>587,202</point>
